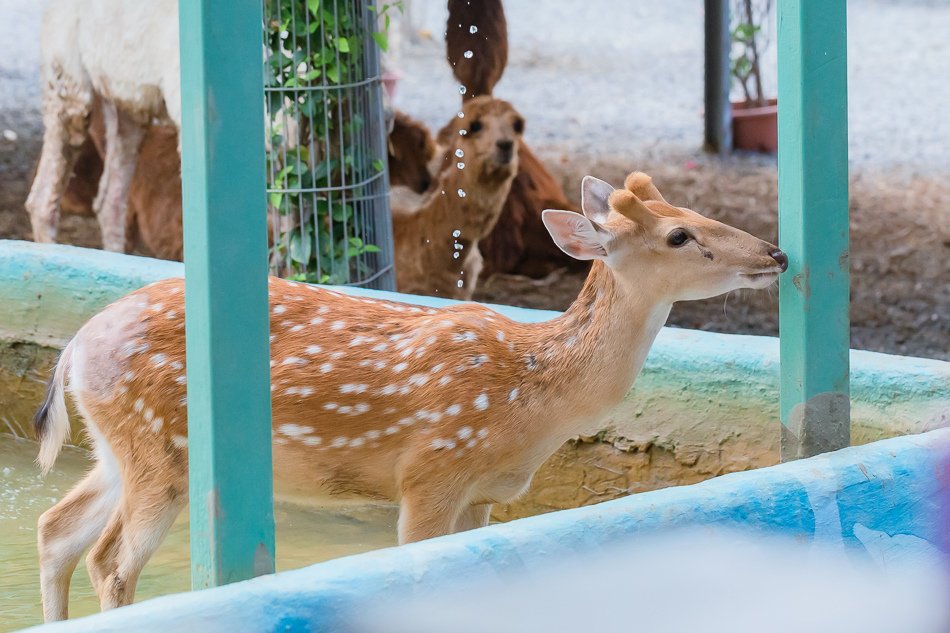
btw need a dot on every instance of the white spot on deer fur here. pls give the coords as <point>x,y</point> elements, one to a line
<point>480,360</point>
<point>418,379</point>
<point>296,328</point>
<point>180,441</point>
<point>356,442</point>
<point>336,355</point>
<point>157,307</point>
<point>361,407</point>
<point>338,325</point>
<point>464,336</point>
<point>406,352</point>
<point>287,323</point>
<point>379,365</point>
<point>439,443</point>
<point>294,430</point>
<point>183,401</point>
<point>272,337</point>
<point>389,390</point>
<point>437,368</point>
<point>406,421</point>
<point>326,368</point>
<point>481,402</point>
<point>482,433</point>
<point>353,388</point>
<point>513,394</point>
<point>392,430</point>
<point>128,376</point>
<point>316,320</point>
<point>272,363</point>
<point>149,414</point>
<point>313,441</point>
<point>338,442</point>
<point>139,405</point>
<point>431,340</point>
<point>400,367</point>
<point>314,349</point>
<point>171,314</point>
<point>455,409</point>
<point>345,410</point>
<point>280,309</point>
<point>157,424</point>
<point>323,310</point>
<point>372,435</point>
<point>299,391</point>
<point>465,432</point>
<point>330,406</point>
<point>176,365</point>
<point>444,380</point>
<point>380,347</point>
<point>359,340</point>
<point>295,360</point>
<point>501,335</point>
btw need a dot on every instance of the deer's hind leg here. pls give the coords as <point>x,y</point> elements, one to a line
<point>67,529</point>
<point>135,530</point>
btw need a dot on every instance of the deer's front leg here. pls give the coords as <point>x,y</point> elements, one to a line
<point>473,516</point>
<point>427,511</point>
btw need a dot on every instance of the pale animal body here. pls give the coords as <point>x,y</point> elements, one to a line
<point>127,53</point>
<point>446,411</point>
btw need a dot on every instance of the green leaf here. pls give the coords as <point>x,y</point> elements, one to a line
<point>371,248</point>
<point>342,45</point>
<point>332,74</point>
<point>379,165</point>
<point>276,198</point>
<point>382,41</point>
<point>314,6</point>
<point>313,74</point>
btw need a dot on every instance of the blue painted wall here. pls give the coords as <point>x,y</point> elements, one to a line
<point>878,500</point>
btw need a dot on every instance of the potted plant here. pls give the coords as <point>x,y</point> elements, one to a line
<point>754,120</point>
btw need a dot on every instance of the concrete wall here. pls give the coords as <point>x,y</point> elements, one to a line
<point>706,404</point>
<point>880,501</point>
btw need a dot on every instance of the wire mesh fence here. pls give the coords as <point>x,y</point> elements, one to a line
<point>328,187</point>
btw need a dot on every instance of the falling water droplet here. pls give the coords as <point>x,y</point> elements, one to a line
<point>463,132</point>
<point>467,54</point>
<point>461,114</point>
<point>458,246</point>
<point>460,282</point>
<point>462,90</point>
<point>460,165</point>
<point>461,193</point>
<point>455,255</point>
<point>456,233</point>
<point>473,29</point>
<point>459,153</point>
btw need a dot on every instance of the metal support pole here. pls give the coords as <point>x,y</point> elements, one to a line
<point>718,110</point>
<point>813,226</point>
<point>229,421</point>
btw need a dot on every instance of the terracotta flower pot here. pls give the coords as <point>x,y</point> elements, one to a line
<point>755,128</point>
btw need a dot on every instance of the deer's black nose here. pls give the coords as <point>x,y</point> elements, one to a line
<point>781,258</point>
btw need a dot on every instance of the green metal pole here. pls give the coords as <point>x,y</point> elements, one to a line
<point>813,225</point>
<point>229,418</point>
<point>717,134</point>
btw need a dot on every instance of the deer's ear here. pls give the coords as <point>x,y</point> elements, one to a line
<point>641,185</point>
<point>575,234</point>
<point>594,196</point>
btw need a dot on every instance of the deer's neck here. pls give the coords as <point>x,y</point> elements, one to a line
<point>588,358</point>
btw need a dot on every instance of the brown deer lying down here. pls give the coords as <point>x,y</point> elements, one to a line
<point>437,234</point>
<point>519,243</point>
<point>154,223</point>
<point>446,410</point>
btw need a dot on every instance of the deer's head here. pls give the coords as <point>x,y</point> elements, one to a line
<point>644,239</point>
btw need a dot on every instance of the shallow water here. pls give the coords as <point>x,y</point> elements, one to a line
<point>305,535</point>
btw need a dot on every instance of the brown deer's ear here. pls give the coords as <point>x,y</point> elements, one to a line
<point>631,207</point>
<point>641,185</point>
<point>594,195</point>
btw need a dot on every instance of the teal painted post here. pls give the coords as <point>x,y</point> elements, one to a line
<point>813,225</point>
<point>229,421</point>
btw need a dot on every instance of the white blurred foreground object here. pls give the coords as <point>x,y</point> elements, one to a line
<point>726,582</point>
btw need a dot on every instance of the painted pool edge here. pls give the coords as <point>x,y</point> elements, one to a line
<point>859,497</point>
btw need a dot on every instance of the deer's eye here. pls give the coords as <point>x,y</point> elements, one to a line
<point>519,125</point>
<point>677,238</point>
<point>475,127</point>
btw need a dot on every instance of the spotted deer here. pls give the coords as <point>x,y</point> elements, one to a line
<point>446,411</point>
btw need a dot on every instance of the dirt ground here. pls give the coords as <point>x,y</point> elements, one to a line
<point>900,243</point>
